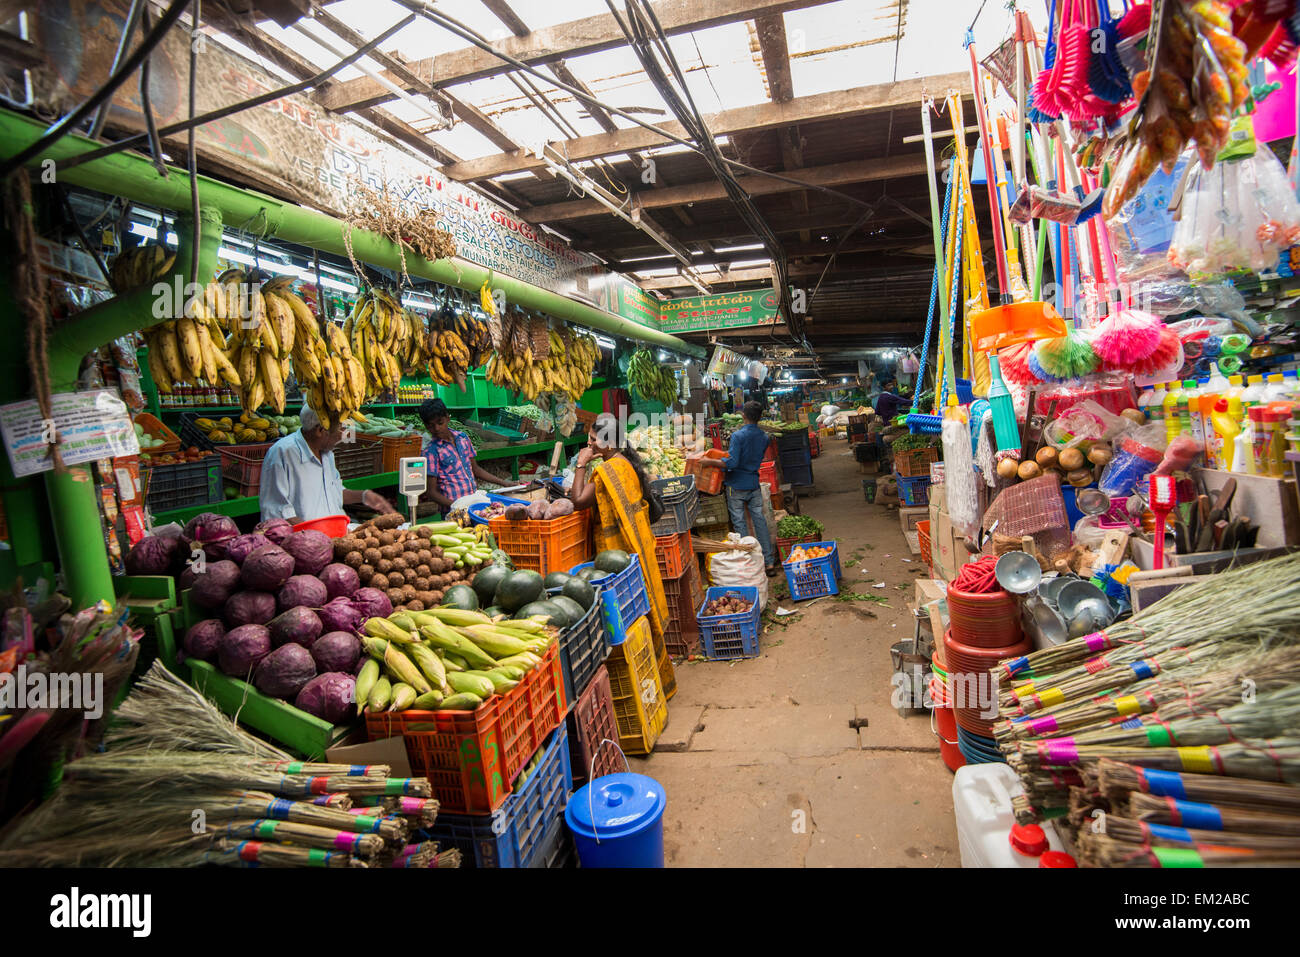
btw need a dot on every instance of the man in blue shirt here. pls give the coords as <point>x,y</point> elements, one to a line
<point>744,456</point>
<point>300,481</point>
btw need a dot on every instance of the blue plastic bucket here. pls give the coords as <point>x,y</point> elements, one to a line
<point>618,821</point>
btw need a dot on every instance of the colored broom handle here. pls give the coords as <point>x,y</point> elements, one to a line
<point>1004,289</point>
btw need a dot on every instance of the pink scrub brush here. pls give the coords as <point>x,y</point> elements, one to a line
<point>1168,354</point>
<point>1014,363</point>
<point>1126,337</point>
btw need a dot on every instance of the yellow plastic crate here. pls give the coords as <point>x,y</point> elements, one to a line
<point>640,709</point>
<point>667,673</point>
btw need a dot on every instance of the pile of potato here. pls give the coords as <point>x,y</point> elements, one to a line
<point>730,604</point>
<point>405,565</point>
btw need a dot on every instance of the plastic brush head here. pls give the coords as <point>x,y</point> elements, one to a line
<point>1014,364</point>
<point>1069,357</point>
<point>1167,355</point>
<point>1126,337</point>
<point>1162,492</point>
<point>1137,20</point>
<point>1036,368</point>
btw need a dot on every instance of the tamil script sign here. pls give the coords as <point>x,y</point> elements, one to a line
<point>757,307</point>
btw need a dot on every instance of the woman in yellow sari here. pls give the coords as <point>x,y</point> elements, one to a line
<point>610,476</point>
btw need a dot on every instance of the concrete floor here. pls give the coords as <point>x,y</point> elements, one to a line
<point>759,760</point>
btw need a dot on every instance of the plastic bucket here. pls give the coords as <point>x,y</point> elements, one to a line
<point>985,620</point>
<point>618,821</point>
<point>335,526</point>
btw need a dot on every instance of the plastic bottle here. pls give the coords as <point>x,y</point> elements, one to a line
<point>1226,419</point>
<point>1218,383</point>
<point>1254,391</point>
<point>1275,389</point>
<point>1144,400</point>
<point>1275,416</point>
<point>1259,438</point>
<point>1155,408</point>
<point>1173,392</point>
<point>1189,411</point>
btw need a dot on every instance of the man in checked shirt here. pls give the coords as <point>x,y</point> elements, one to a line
<point>454,471</point>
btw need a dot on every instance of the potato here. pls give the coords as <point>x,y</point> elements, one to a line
<point>1046,456</point>
<point>423,570</point>
<point>396,596</point>
<point>379,581</point>
<point>1080,477</point>
<point>383,566</point>
<point>353,560</point>
<point>1071,459</point>
<point>415,605</point>
<point>372,556</point>
<point>365,573</point>
<point>1029,470</point>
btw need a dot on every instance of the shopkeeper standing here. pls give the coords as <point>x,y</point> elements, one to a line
<point>300,481</point>
<point>744,457</point>
<point>454,471</point>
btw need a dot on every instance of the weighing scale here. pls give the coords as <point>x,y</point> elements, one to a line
<point>412,481</point>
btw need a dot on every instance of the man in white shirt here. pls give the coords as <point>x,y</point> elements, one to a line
<point>300,481</point>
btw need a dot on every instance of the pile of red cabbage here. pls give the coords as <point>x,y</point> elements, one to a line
<point>281,613</point>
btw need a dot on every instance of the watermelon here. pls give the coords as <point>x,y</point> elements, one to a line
<point>571,608</point>
<point>518,589</point>
<point>557,580</point>
<point>580,590</point>
<point>591,575</point>
<point>612,560</point>
<point>461,596</point>
<point>487,580</point>
<point>552,612</point>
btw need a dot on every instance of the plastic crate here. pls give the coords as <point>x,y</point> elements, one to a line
<point>557,849</point>
<point>191,435</point>
<point>767,476</point>
<point>795,459</point>
<point>814,445</point>
<point>915,462</point>
<point>708,480</point>
<point>815,576</point>
<point>583,647</point>
<point>476,511</point>
<point>153,426</point>
<point>667,673</point>
<point>791,440</point>
<point>358,459</point>
<point>682,631</point>
<point>712,511</point>
<point>184,486</point>
<point>640,711</point>
<point>785,545</point>
<point>591,722</point>
<point>546,546</point>
<point>681,505</point>
<point>470,757</point>
<point>673,554</point>
<point>392,450</point>
<point>914,490</point>
<point>516,834</point>
<point>687,587</point>
<point>241,466</point>
<point>623,597</point>
<point>723,637</point>
<point>510,420</point>
<point>923,540</point>
<point>803,475</point>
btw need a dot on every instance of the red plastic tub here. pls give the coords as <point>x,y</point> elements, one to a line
<point>944,724</point>
<point>335,526</point>
<point>987,620</point>
<point>968,670</point>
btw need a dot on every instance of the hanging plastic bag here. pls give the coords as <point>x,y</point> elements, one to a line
<point>740,565</point>
<point>1085,421</point>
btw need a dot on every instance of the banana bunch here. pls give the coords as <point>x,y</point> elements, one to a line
<point>191,347</point>
<point>567,370</point>
<point>650,379</point>
<point>145,263</point>
<point>263,329</point>
<point>380,334</point>
<point>341,389</point>
<point>450,360</point>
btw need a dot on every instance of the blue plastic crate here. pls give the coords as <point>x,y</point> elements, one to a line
<point>799,476</point>
<point>815,576</point>
<point>914,490</point>
<point>730,636</point>
<point>517,834</point>
<point>476,511</point>
<point>681,505</point>
<point>623,597</point>
<point>583,647</point>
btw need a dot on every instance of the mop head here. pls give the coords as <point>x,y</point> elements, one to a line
<point>1014,363</point>
<point>1168,354</point>
<point>1067,357</point>
<point>1126,337</point>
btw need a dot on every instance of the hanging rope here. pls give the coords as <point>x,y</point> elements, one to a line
<point>934,300</point>
<point>29,286</point>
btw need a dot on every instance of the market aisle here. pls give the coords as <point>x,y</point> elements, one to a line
<point>769,770</point>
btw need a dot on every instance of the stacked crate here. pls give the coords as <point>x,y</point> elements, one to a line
<point>682,587</point>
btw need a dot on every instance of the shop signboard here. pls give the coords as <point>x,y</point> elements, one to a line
<point>87,426</point>
<point>728,310</point>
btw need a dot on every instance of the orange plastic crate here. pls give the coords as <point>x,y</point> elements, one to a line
<point>471,757</point>
<point>674,553</point>
<point>241,466</point>
<point>394,450</point>
<point>915,462</point>
<point>554,545</point>
<point>923,537</point>
<point>708,481</point>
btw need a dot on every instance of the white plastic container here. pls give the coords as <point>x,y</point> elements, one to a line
<point>981,800</point>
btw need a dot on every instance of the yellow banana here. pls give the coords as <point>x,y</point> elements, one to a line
<point>272,380</point>
<point>206,353</point>
<point>225,369</point>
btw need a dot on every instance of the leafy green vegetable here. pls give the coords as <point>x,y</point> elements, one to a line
<point>797,526</point>
<point>906,443</point>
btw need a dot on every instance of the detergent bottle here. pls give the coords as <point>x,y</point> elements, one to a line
<point>1275,388</point>
<point>1189,411</point>
<point>1154,404</point>
<point>1218,383</point>
<point>1226,419</point>
<point>1173,392</point>
<point>1254,391</point>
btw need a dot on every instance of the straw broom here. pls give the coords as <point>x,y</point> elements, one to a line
<point>422,854</point>
<point>1018,690</point>
<point>365,847</point>
<point>1100,850</point>
<point>422,811</point>
<point>1175,812</point>
<point>231,853</point>
<point>1159,835</point>
<point>1115,779</point>
<point>1276,760</point>
<point>1265,596</point>
<point>442,859</point>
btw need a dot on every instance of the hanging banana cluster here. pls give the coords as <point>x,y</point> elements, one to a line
<point>380,334</point>
<point>460,343</point>
<point>651,379</point>
<point>263,330</point>
<point>132,268</point>
<point>190,348</point>
<point>568,369</point>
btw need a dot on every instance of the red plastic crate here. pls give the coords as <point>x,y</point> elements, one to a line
<point>785,545</point>
<point>590,722</point>
<point>682,632</point>
<point>767,475</point>
<point>686,586</point>
<point>471,757</point>
<point>674,553</point>
<point>555,545</point>
<point>241,466</point>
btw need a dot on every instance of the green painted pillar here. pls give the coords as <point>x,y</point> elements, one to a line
<point>73,506</point>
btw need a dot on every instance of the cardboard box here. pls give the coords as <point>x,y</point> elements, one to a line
<point>932,599</point>
<point>947,549</point>
<point>1269,502</point>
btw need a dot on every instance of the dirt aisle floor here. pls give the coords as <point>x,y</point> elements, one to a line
<point>760,760</point>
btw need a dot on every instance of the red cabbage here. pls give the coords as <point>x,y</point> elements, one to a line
<point>372,603</point>
<point>188,578</point>
<point>283,672</point>
<point>299,626</point>
<point>203,638</point>
<point>337,651</point>
<point>154,555</point>
<point>239,548</point>
<point>311,550</point>
<point>329,696</point>
<point>249,608</point>
<point>341,580</point>
<point>218,581</point>
<point>303,590</point>
<point>212,532</point>
<point>267,568</point>
<point>340,615</point>
<point>275,529</point>
<point>241,648</point>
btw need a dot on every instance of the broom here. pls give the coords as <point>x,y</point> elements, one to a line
<point>365,847</point>
<point>233,853</point>
<point>1069,357</point>
<point>1180,813</point>
<point>1116,778</point>
<point>1273,760</point>
<point>1131,831</point>
<point>1100,850</point>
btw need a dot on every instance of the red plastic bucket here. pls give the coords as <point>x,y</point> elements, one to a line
<point>335,526</point>
<point>944,724</point>
<point>968,667</point>
<point>985,620</point>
